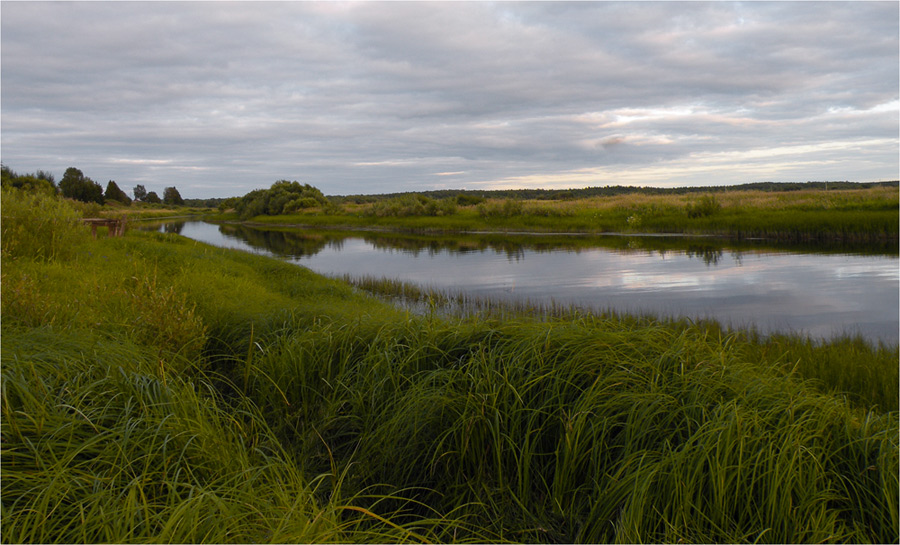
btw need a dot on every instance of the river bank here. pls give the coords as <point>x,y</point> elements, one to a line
<point>857,215</point>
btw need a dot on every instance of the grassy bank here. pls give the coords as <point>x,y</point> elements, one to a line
<point>805,215</point>
<point>158,389</point>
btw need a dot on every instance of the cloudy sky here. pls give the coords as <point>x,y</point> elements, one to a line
<point>219,98</point>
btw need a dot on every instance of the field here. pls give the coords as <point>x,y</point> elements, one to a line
<point>865,215</point>
<point>158,389</point>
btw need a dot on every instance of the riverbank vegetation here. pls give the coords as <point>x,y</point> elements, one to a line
<point>159,389</point>
<point>862,214</point>
<point>91,201</point>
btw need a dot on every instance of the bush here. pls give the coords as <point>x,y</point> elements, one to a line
<point>39,226</point>
<point>706,206</point>
<point>468,200</point>
<point>300,203</point>
<point>412,205</point>
<point>506,209</point>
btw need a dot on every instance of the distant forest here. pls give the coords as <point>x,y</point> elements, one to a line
<point>608,191</point>
<point>570,194</point>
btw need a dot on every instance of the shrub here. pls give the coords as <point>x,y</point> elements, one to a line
<point>300,203</point>
<point>468,200</point>
<point>39,226</point>
<point>505,209</point>
<point>412,205</point>
<point>706,206</point>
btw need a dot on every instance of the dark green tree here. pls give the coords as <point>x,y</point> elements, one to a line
<point>140,193</point>
<point>171,196</point>
<point>43,175</point>
<point>75,185</point>
<point>114,193</point>
<point>153,198</point>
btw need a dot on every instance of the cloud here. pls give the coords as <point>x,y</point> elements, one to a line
<point>221,98</point>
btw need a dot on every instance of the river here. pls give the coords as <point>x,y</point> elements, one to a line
<point>741,285</point>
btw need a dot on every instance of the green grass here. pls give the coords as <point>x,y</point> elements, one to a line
<point>584,430</point>
<point>158,389</point>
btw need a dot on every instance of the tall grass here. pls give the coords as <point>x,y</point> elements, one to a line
<point>582,430</point>
<point>100,446</point>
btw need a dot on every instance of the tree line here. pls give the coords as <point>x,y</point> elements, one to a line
<point>75,185</point>
<point>464,196</point>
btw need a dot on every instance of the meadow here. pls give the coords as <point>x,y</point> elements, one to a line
<point>862,215</point>
<point>159,389</point>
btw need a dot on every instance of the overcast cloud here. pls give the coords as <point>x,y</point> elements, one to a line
<point>222,98</point>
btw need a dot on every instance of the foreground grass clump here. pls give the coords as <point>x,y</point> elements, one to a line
<point>280,406</point>
<point>99,447</point>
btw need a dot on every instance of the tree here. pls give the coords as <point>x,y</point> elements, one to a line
<point>74,185</point>
<point>43,175</point>
<point>283,197</point>
<point>140,193</point>
<point>153,198</point>
<point>113,193</point>
<point>171,196</point>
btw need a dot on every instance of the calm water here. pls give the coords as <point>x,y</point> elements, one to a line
<point>818,294</point>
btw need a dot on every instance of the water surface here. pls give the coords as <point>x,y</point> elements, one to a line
<point>819,294</point>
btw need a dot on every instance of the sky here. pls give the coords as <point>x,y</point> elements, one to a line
<point>220,98</point>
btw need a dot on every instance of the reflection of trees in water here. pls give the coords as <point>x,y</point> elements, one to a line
<point>174,227</point>
<point>283,243</point>
<point>305,242</point>
<point>461,245</point>
<point>710,255</point>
